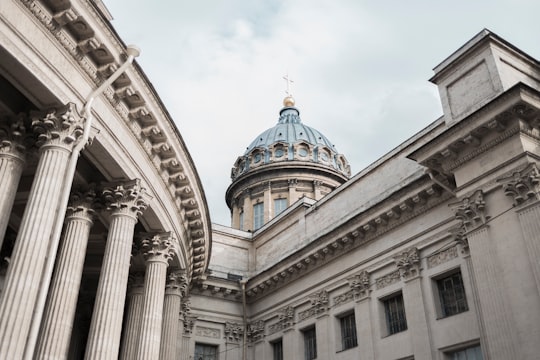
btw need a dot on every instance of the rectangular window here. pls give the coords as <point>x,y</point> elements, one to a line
<point>310,344</point>
<point>258,215</point>
<point>472,353</point>
<point>277,348</point>
<point>241,221</point>
<point>395,314</point>
<point>279,206</point>
<point>452,295</point>
<point>206,352</point>
<point>348,331</point>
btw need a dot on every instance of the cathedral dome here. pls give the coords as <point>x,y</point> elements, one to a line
<point>290,140</point>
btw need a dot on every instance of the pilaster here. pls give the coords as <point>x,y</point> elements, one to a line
<point>126,202</point>
<point>409,266</point>
<point>175,290</point>
<point>56,328</point>
<point>158,251</point>
<point>12,160</point>
<point>471,211</point>
<point>58,132</point>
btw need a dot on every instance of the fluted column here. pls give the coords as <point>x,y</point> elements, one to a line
<point>133,320</point>
<point>54,338</point>
<point>12,160</point>
<point>175,290</point>
<point>126,201</point>
<point>158,251</point>
<point>58,131</point>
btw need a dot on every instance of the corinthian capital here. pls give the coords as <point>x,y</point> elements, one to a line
<point>158,247</point>
<point>522,185</point>
<point>471,211</point>
<point>408,263</point>
<point>58,127</point>
<point>177,282</point>
<point>13,137</point>
<point>82,204</point>
<point>129,198</point>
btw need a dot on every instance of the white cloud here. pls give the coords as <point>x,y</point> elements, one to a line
<point>360,68</point>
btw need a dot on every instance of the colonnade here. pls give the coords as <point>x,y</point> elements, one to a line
<point>152,323</point>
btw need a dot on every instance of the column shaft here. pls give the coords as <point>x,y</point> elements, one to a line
<point>12,162</point>
<point>54,338</point>
<point>171,314</point>
<point>133,320</point>
<point>24,273</point>
<point>106,325</point>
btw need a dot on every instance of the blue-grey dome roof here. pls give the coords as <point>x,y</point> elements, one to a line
<point>290,130</point>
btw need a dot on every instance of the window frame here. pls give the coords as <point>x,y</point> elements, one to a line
<point>349,335</point>
<point>258,218</point>
<point>394,305</point>
<point>205,356</point>
<point>277,349</point>
<point>451,354</point>
<point>444,305</point>
<point>283,202</point>
<point>310,343</point>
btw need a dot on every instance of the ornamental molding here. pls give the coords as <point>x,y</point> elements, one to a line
<point>442,257</point>
<point>471,211</point>
<point>234,332</point>
<point>388,279</point>
<point>318,305</point>
<point>14,138</point>
<point>207,332</point>
<point>256,330</point>
<point>74,33</point>
<point>285,320</point>
<point>364,231</point>
<point>523,185</point>
<point>408,263</point>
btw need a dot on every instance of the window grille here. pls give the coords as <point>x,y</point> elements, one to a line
<point>205,352</point>
<point>452,295</point>
<point>395,314</point>
<point>277,347</point>
<point>310,344</point>
<point>348,332</point>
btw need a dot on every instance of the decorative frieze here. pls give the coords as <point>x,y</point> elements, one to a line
<point>319,305</point>
<point>285,320</point>
<point>523,185</point>
<point>233,332</point>
<point>343,298</point>
<point>442,257</point>
<point>207,332</point>
<point>387,279</point>
<point>189,322</point>
<point>458,234</point>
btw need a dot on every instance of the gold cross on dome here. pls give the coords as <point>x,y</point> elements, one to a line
<point>289,82</point>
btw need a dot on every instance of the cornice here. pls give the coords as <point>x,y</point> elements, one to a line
<point>356,233</point>
<point>128,97</point>
<point>495,122</point>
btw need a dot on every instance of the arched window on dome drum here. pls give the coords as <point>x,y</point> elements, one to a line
<point>258,216</point>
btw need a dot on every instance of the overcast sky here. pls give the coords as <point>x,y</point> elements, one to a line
<point>360,68</point>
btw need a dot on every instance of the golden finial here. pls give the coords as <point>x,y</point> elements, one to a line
<point>289,100</point>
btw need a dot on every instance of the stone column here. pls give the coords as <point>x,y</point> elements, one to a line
<point>158,250</point>
<point>133,320</point>
<point>54,337</point>
<point>360,287</point>
<point>408,263</point>
<point>499,335</point>
<point>58,131</point>
<point>12,160</point>
<point>175,290</point>
<point>126,201</point>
